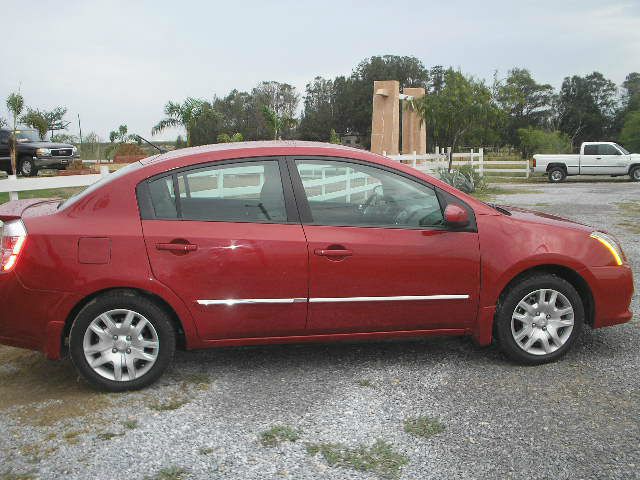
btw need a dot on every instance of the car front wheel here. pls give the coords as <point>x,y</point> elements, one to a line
<point>635,174</point>
<point>539,319</point>
<point>121,341</point>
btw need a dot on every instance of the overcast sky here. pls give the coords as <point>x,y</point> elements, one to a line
<point>119,62</point>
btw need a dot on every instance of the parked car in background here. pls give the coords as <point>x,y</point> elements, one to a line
<point>595,158</point>
<point>33,153</point>
<point>278,242</point>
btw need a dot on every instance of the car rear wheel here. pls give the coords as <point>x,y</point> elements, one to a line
<point>539,319</point>
<point>635,174</point>
<point>28,167</point>
<point>557,175</point>
<point>121,341</point>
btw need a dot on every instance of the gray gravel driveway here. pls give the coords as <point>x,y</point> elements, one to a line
<point>213,415</point>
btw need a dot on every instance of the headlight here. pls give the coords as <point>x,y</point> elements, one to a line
<point>43,152</point>
<point>610,245</point>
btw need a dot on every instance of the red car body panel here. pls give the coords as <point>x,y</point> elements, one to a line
<point>100,243</point>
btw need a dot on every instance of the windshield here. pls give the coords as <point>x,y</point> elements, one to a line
<point>100,183</point>
<point>24,136</point>
<point>622,149</point>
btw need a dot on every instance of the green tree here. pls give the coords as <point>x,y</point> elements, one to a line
<point>524,102</point>
<point>537,140</point>
<point>631,95</point>
<point>180,115</point>
<point>55,119</point>
<point>276,123</point>
<point>3,122</point>
<point>318,118</point>
<point>587,108</point>
<point>15,104</point>
<point>121,135</point>
<point>205,126</point>
<point>630,135</point>
<point>334,137</point>
<point>239,114</point>
<point>279,98</point>
<point>460,111</point>
<point>226,138</point>
<point>36,119</point>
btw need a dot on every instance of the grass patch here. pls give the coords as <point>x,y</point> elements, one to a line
<point>629,208</point>
<point>169,404</point>
<point>106,436</point>
<point>71,437</point>
<point>423,426</point>
<point>365,383</point>
<point>630,227</point>
<point>199,380</point>
<point>380,458</point>
<point>130,424</point>
<point>9,475</point>
<point>278,434</point>
<point>169,473</point>
<point>488,194</point>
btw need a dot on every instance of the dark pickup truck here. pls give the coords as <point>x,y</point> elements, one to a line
<point>32,153</point>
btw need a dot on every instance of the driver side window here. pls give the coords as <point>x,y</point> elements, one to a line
<point>351,194</point>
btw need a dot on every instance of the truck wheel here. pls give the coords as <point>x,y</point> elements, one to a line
<point>557,175</point>
<point>28,167</point>
<point>635,174</point>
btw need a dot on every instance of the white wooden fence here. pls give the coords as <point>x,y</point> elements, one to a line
<point>14,185</point>
<point>432,162</point>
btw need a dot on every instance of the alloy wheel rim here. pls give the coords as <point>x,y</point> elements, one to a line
<point>556,175</point>
<point>121,345</point>
<point>542,321</point>
<point>26,168</point>
<point>636,174</point>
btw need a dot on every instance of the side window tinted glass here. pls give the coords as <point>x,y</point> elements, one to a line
<point>591,149</point>
<point>163,198</point>
<point>606,149</point>
<point>350,194</point>
<point>241,192</point>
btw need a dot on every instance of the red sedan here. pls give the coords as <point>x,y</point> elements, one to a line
<point>273,242</point>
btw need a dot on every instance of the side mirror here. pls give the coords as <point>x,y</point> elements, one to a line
<point>456,216</point>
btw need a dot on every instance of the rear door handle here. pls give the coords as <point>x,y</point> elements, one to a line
<point>177,247</point>
<point>333,253</point>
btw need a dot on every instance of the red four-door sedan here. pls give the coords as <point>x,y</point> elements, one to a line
<point>273,242</point>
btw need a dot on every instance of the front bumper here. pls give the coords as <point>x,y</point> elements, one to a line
<point>44,162</point>
<point>612,289</point>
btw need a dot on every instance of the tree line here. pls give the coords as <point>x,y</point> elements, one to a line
<point>459,109</point>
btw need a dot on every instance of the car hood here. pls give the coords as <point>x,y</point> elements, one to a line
<point>46,145</point>
<point>531,216</point>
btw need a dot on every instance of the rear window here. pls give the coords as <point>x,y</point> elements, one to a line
<point>100,183</point>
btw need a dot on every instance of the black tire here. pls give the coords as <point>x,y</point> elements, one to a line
<point>27,167</point>
<point>507,307</point>
<point>634,173</point>
<point>122,299</point>
<point>557,174</point>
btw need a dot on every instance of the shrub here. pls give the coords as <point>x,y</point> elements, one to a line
<point>536,140</point>
<point>464,178</point>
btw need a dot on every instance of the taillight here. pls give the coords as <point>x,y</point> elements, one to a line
<point>12,238</point>
<point>534,163</point>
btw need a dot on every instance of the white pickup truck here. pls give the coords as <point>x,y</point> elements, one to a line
<point>595,158</point>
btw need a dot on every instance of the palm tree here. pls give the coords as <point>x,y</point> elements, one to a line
<point>15,104</point>
<point>180,115</point>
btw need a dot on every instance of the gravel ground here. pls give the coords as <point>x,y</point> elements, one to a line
<point>577,418</point>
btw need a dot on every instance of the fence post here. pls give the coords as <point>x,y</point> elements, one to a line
<point>481,161</point>
<point>415,159</point>
<point>471,159</point>
<point>384,153</point>
<point>526,173</point>
<point>449,158</point>
<point>104,171</point>
<point>13,195</point>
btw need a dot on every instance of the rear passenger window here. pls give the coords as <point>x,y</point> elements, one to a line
<point>238,192</point>
<point>591,149</point>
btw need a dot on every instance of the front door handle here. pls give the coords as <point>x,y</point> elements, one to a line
<point>333,253</point>
<point>177,247</point>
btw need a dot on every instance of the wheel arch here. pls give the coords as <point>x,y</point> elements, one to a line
<point>162,303</point>
<point>632,166</point>
<point>557,165</point>
<point>564,272</point>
